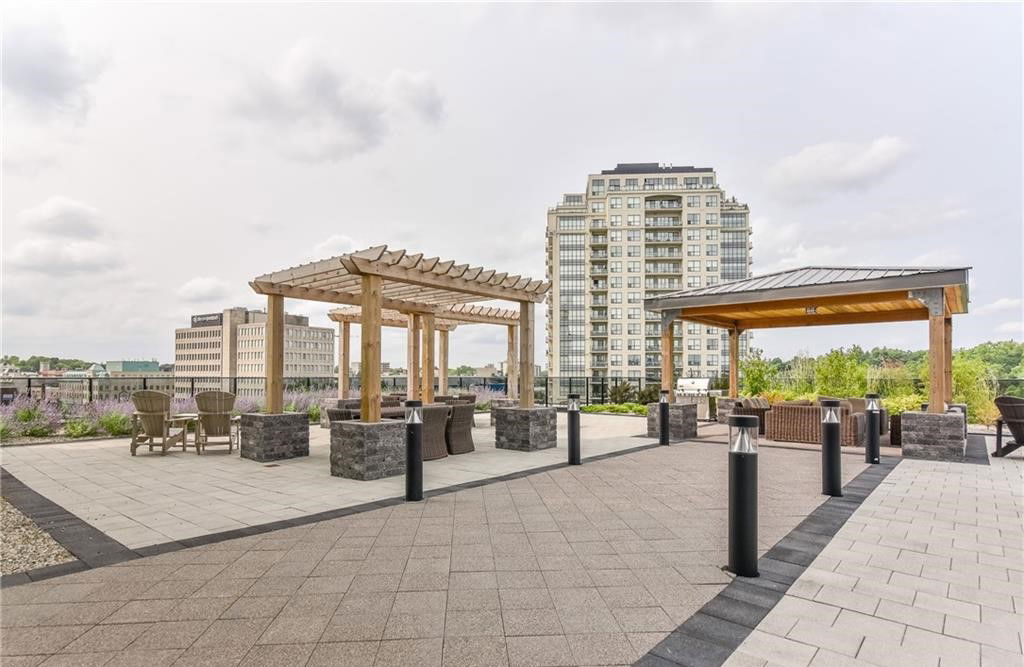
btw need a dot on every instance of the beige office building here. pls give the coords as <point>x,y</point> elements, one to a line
<point>225,351</point>
<point>639,230</point>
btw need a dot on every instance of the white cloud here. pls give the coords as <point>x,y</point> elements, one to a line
<point>62,217</point>
<point>999,305</point>
<point>938,257</point>
<point>834,166</point>
<point>203,289</point>
<point>1013,328</point>
<point>311,110</point>
<point>336,244</point>
<point>59,256</point>
<point>43,73</point>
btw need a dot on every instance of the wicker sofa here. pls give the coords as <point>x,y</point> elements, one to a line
<point>800,421</point>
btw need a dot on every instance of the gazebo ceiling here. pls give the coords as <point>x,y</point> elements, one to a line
<point>819,296</point>
<point>409,282</point>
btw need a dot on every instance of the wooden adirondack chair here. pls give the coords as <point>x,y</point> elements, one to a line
<point>1011,413</point>
<point>152,421</point>
<point>215,420</point>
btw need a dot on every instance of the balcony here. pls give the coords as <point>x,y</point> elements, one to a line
<point>663,237</point>
<point>662,204</point>
<point>662,252</point>
<point>599,285</point>
<point>599,301</point>
<point>599,254</point>
<point>599,240</point>
<point>598,269</point>
<point>663,221</point>
<point>663,267</point>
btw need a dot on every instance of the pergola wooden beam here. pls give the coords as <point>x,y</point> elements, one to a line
<point>870,317</point>
<point>388,318</point>
<point>438,293</point>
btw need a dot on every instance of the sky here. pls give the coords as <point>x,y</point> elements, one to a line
<point>157,157</point>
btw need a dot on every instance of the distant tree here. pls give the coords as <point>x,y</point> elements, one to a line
<point>839,374</point>
<point>462,370</point>
<point>759,375</point>
<point>1005,357</point>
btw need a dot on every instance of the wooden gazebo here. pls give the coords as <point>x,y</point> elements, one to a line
<point>815,296</point>
<point>375,279</point>
<point>421,351</point>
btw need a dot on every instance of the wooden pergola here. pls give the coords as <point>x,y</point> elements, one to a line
<point>375,279</point>
<point>816,296</point>
<point>418,350</point>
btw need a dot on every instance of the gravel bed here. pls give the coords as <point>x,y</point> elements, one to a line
<point>23,545</point>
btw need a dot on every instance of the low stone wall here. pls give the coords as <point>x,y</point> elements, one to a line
<point>702,402</point>
<point>502,403</point>
<point>682,421</point>
<point>363,451</point>
<point>525,429</point>
<point>937,437</point>
<point>725,406</point>
<point>274,437</point>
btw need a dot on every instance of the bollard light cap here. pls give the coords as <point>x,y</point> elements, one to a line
<point>414,412</point>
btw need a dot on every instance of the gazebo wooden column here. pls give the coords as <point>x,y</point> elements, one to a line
<point>344,340</point>
<point>369,365</point>
<point>413,362</point>
<point>442,361</point>
<point>948,340</point>
<point>666,357</point>
<point>937,363</point>
<point>526,323</point>
<point>427,372</point>
<point>274,355</point>
<point>734,363</point>
<point>512,363</point>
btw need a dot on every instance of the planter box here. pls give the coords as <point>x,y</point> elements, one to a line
<point>525,429</point>
<point>937,437</point>
<point>274,437</point>
<point>682,421</point>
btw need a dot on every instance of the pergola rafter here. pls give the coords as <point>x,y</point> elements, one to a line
<point>396,288</point>
<point>817,296</point>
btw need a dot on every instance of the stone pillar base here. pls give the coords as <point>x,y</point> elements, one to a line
<point>274,437</point>
<point>502,403</point>
<point>525,429</point>
<point>938,437</point>
<point>363,451</point>
<point>724,408</point>
<point>682,421</point>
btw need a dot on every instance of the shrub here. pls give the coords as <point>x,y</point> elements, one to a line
<point>905,403</point>
<point>623,392</point>
<point>649,394</point>
<point>839,374</point>
<point>616,408</point>
<point>773,396</point>
<point>6,429</point>
<point>758,374</point>
<point>31,417</point>
<point>115,423</point>
<point>80,428</point>
<point>314,412</point>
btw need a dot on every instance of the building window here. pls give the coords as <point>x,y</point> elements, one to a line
<point>693,281</point>
<point>693,201</point>
<point>615,202</point>
<point>693,218</point>
<point>711,235</point>
<point>597,207</point>
<point>693,250</point>
<point>632,202</point>
<point>571,223</point>
<point>711,218</point>
<point>615,236</point>
<point>633,235</point>
<point>632,184</point>
<point>711,201</point>
<point>711,250</point>
<point>615,220</point>
<point>693,265</point>
<point>632,220</point>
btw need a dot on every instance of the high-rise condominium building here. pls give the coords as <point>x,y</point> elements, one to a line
<point>639,230</point>
<point>225,351</point>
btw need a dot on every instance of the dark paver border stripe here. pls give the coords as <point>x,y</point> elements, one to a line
<point>977,450</point>
<point>93,548</point>
<point>716,630</point>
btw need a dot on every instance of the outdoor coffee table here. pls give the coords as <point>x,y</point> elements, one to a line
<point>184,419</point>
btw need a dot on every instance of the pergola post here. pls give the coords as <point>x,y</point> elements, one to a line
<point>734,362</point>
<point>666,356</point>
<point>369,366</point>
<point>937,363</point>
<point>274,355</point>
<point>442,361</point>
<point>948,340</point>
<point>344,339</point>
<point>526,319</point>
<point>512,363</point>
<point>427,372</point>
<point>413,362</point>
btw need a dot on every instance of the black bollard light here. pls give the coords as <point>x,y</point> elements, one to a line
<point>573,417</point>
<point>743,495</point>
<point>413,450</point>
<point>663,418</point>
<point>831,464</point>
<point>874,413</point>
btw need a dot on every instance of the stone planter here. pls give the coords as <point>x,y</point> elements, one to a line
<point>502,403</point>
<point>364,451</point>
<point>937,437</point>
<point>682,421</point>
<point>525,429</point>
<point>266,437</point>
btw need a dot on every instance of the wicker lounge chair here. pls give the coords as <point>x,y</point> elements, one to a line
<point>458,432</point>
<point>443,398</point>
<point>757,407</point>
<point>434,419</point>
<point>466,398</point>
<point>152,421</point>
<point>215,420</point>
<point>1011,413</point>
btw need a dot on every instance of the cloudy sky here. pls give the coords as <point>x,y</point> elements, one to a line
<point>157,157</point>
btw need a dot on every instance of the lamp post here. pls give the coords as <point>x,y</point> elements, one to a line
<point>413,450</point>
<point>573,417</point>
<point>743,495</point>
<point>663,418</point>
<point>874,413</point>
<point>831,470</point>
